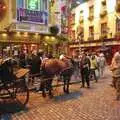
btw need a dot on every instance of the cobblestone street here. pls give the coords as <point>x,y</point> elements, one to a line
<point>96,103</point>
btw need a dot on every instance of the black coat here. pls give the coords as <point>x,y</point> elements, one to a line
<point>35,65</point>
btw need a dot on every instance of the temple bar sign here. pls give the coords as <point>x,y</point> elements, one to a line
<point>25,15</point>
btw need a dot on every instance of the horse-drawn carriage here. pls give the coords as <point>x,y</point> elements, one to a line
<point>12,83</point>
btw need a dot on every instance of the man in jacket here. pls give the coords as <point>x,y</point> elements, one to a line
<point>85,70</point>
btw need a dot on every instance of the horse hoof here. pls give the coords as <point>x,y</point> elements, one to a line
<point>64,89</point>
<point>50,96</point>
<point>44,95</point>
<point>117,98</point>
<point>67,92</point>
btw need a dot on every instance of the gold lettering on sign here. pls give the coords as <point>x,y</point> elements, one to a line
<point>23,26</point>
<point>41,28</point>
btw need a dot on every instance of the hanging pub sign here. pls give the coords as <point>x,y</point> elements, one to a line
<point>26,15</point>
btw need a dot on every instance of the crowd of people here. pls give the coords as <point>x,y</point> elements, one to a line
<point>86,66</point>
<point>89,66</point>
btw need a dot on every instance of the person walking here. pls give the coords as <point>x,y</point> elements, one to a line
<point>115,68</point>
<point>85,70</point>
<point>101,64</point>
<point>76,67</point>
<point>93,67</point>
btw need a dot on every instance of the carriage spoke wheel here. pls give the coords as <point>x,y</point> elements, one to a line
<point>22,94</point>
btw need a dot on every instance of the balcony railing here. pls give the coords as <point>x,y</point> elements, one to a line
<point>103,36</point>
<point>90,38</point>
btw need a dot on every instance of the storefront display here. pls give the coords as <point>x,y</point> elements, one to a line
<point>32,11</point>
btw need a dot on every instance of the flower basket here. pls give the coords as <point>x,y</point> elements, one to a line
<point>91,17</point>
<point>104,2</point>
<point>102,37</point>
<point>103,13</point>
<point>54,30</point>
<point>90,38</point>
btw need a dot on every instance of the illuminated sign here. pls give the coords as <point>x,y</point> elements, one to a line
<point>33,4</point>
<point>25,15</point>
<point>32,11</point>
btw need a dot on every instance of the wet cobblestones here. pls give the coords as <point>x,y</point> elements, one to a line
<point>96,103</point>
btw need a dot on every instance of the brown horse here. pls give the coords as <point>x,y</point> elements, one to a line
<point>53,67</point>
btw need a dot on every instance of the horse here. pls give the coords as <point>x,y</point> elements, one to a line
<point>52,67</point>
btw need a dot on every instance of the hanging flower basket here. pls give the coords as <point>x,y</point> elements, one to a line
<point>54,30</point>
<point>102,37</point>
<point>103,13</point>
<point>91,17</point>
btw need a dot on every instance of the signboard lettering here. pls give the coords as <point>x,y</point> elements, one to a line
<point>26,15</point>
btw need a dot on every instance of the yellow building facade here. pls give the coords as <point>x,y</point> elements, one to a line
<point>97,24</point>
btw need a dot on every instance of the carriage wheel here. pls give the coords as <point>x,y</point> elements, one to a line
<point>22,94</point>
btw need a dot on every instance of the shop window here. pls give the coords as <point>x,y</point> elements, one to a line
<point>39,5</point>
<point>81,17</point>
<point>91,33</point>
<point>73,35</point>
<point>91,12</point>
<point>20,3</point>
<point>103,11</point>
<point>73,19</point>
<point>104,30</point>
<point>117,35</point>
<point>117,25</point>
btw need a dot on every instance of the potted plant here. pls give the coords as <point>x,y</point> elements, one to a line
<point>104,36</point>
<point>54,30</point>
<point>103,13</point>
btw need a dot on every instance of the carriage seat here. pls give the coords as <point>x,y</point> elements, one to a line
<point>6,73</point>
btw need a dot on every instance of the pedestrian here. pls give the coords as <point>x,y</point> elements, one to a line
<point>112,68</point>
<point>85,70</point>
<point>22,62</point>
<point>115,68</point>
<point>76,67</point>
<point>93,67</point>
<point>35,66</point>
<point>101,64</point>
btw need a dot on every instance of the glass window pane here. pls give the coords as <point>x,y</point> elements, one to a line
<point>20,3</point>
